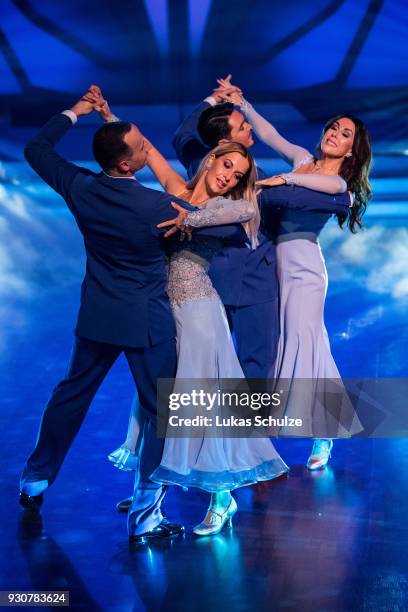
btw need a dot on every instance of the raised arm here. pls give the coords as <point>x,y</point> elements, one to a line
<point>266,132</point>
<point>56,171</point>
<point>169,179</point>
<point>186,142</point>
<point>42,157</point>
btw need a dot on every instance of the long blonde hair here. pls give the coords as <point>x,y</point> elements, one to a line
<point>245,188</point>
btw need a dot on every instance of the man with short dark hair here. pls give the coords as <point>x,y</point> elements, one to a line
<point>224,122</point>
<point>111,143</point>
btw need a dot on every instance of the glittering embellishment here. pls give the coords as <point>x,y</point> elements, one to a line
<point>306,160</point>
<point>112,119</point>
<point>188,267</point>
<point>188,271</point>
<point>246,106</point>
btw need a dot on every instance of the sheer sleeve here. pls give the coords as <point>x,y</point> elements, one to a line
<point>221,211</point>
<point>265,131</point>
<point>326,183</point>
<point>113,119</point>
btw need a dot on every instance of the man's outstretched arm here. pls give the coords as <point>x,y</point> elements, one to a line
<point>300,198</point>
<point>42,157</point>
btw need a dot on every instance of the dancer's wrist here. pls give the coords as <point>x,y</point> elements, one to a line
<point>211,100</point>
<point>71,115</point>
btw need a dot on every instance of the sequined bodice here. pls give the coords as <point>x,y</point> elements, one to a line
<point>188,271</point>
<point>189,263</point>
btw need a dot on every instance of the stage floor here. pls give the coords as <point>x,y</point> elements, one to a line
<point>332,540</point>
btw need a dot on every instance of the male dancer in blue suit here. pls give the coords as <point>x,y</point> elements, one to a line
<point>124,306</point>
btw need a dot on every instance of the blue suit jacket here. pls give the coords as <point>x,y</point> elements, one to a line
<point>242,276</point>
<point>123,295</point>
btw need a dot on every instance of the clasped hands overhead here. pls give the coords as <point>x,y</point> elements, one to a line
<point>93,99</point>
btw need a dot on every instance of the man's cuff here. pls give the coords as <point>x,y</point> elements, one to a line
<point>71,115</point>
<point>211,100</point>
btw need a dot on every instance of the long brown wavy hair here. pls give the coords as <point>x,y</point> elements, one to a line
<point>355,171</point>
<point>243,190</point>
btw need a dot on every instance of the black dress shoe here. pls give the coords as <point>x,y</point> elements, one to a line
<point>164,530</point>
<point>124,504</point>
<point>31,502</point>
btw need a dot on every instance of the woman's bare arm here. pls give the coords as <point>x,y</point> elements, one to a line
<point>168,178</point>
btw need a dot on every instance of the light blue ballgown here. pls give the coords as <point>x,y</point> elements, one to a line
<point>206,350</point>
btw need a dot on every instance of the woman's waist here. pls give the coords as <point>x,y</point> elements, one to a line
<point>189,271</point>
<point>300,255</point>
<point>183,288</point>
<point>301,222</point>
<point>190,260</point>
<point>298,235</point>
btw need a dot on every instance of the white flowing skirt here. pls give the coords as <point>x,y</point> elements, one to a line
<point>206,350</point>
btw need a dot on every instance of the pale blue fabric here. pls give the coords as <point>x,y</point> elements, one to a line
<point>33,488</point>
<point>205,350</point>
<point>303,354</point>
<point>145,513</point>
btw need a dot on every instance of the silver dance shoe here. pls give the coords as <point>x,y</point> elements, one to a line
<point>320,454</point>
<point>214,521</point>
<point>123,459</point>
